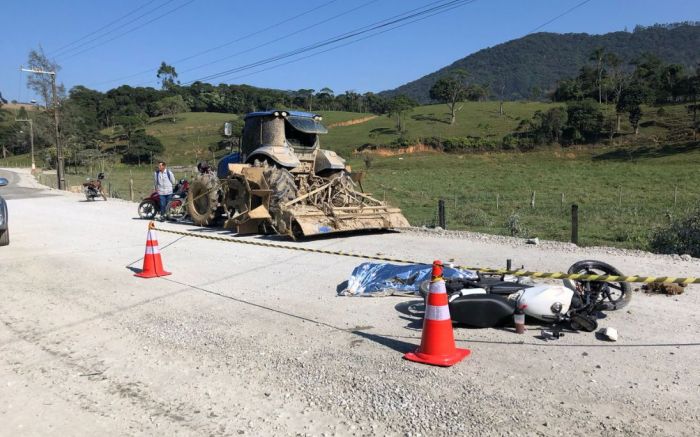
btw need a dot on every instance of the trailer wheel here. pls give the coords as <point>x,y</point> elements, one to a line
<point>202,200</point>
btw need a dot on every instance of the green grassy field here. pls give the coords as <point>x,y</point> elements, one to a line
<point>620,200</point>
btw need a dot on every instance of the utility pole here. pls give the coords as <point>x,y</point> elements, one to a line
<point>31,137</point>
<point>59,150</point>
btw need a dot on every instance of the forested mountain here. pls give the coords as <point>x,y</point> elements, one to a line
<point>529,67</point>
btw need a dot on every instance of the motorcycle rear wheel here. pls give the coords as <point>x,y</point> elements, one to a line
<point>176,210</point>
<point>615,295</point>
<point>147,210</point>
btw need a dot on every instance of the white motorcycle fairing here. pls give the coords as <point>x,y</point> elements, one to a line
<point>545,302</point>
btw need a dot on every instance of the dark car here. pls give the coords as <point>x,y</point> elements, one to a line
<point>4,229</point>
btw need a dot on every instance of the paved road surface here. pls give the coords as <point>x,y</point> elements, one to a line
<point>244,340</point>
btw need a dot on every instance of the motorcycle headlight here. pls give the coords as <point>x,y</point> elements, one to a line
<point>556,307</point>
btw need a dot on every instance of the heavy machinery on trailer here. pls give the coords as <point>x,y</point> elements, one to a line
<point>281,181</point>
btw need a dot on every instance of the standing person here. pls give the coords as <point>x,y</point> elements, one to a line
<point>164,181</point>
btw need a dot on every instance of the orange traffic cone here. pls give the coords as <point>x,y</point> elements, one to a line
<point>437,346</point>
<point>152,264</point>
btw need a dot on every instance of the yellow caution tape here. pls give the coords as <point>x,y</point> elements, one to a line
<point>574,276</point>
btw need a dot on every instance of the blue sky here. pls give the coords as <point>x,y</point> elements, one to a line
<point>190,27</point>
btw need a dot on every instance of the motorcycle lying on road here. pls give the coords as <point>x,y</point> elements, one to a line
<point>176,208</point>
<point>93,188</point>
<point>493,300</point>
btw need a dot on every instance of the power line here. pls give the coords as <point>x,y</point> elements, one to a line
<point>356,32</point>
<point>132,29</point>
<point>306,28</point>
<point>390,29</point>
<point>58,50</point>
<point>354,41</point>
<point>558,16</point>
<point>249,35</point>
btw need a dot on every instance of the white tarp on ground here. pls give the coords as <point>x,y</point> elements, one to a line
<point>381,279</point>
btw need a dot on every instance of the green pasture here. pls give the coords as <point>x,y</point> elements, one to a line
<point>621,196</point>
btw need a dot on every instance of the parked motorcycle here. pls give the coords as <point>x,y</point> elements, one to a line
<point>150,205</point>
<point>93,188</point>
<point>176,208</point>
<point>493,300</point>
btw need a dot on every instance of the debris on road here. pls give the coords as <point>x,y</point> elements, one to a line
<point>668,289</point>
<point>609,334</point>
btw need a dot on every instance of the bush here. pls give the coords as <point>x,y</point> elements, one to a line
<point>472,216</point>
<point>585,121</point>
<point>680,236</point>
<point>469,144</point>
<point>142,148</point>
<point>514,226</point>
<point>451,145</point>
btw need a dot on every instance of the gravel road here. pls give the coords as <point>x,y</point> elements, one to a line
<point>246,340</point>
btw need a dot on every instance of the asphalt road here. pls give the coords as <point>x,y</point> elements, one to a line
<point>253,340</point>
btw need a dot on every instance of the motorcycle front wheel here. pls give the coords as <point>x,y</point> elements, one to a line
<point>147,210</point>
<point>613,295</point>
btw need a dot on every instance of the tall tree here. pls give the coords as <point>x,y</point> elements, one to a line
<point>129,125</point>
<point>325,97</point>
<point>171,106</point>
<point>598,56</point>
<point>398,106</point>
<point>308,94</point>
<point>168,76</point>
<point>630,101</point>
<point>616,80</point>
<point>41,83</point>
<point>450,90</point>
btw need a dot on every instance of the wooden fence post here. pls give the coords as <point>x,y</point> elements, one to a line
<point>675,196</point>
<point>532,200</point>
<point>441,214</point>
<point>619,196</point>
<point>574,224</point>
<point>496,201</point>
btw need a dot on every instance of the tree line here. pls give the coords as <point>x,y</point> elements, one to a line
<point>85,112</point>
<point>605,91</point>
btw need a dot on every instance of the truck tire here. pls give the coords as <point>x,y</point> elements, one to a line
<point>284,189</point>
<point>5,237</point>
<point>202,200</point>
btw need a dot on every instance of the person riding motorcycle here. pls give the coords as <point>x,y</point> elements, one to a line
<point>94,188</point>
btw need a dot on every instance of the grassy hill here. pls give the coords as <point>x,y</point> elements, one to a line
<point>541,59</point>
<point>480,119</point>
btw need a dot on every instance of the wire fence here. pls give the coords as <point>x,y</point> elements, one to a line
<point>618,217</point>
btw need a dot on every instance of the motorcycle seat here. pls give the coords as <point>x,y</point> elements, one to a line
<point>482,310</point>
